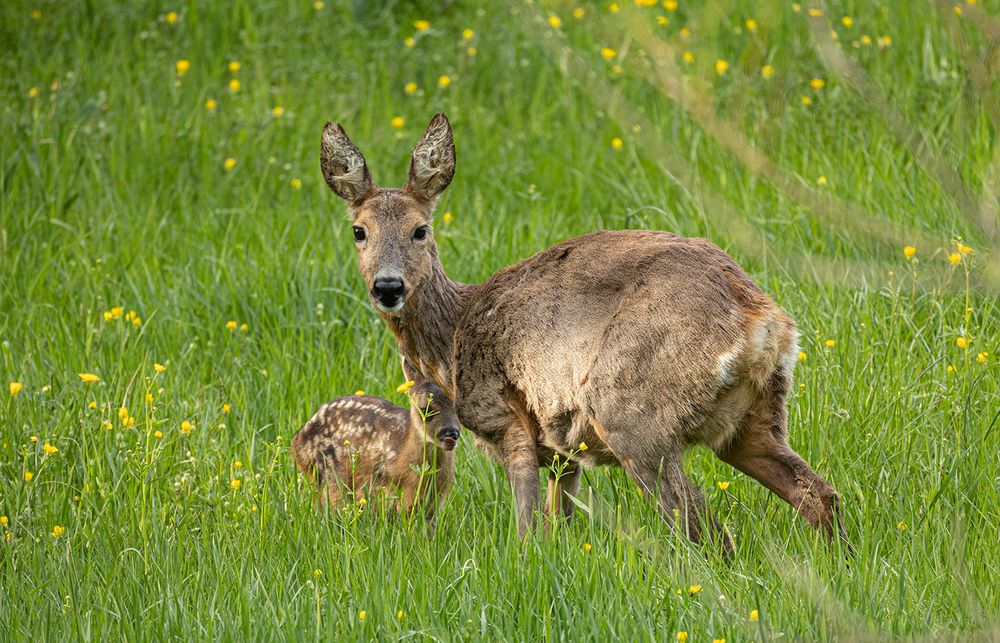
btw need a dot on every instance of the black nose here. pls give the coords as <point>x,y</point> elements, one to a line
<point>449,436</point>
<point>388,291</point>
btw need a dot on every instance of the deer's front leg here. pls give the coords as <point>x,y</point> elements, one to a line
<point>520,460</point>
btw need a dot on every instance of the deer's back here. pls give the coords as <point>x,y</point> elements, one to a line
<point>651,314</point>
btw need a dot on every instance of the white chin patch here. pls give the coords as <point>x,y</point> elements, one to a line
<point>394,309</point>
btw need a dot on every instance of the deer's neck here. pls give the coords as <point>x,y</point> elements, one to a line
<point>425,327</point>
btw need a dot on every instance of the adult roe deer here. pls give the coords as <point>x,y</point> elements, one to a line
<point>638,343</point>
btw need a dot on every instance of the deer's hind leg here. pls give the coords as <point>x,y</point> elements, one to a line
<point>761,451</point>
<point>657,469</point>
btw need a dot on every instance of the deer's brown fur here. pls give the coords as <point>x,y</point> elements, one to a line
<point>637,343</point>
<point>359,445</point>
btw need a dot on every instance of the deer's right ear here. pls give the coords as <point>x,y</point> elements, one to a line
<point>344,167</point>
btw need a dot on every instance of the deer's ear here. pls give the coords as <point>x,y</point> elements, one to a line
<point>433,163</point>
<point>344,167</point>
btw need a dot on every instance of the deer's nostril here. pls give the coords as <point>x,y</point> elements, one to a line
<point>388,290</point>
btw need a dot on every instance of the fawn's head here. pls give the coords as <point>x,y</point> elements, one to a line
<point>392,227</point>
<point>431,409</point>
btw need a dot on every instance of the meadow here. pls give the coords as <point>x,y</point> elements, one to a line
<point>178,294</point>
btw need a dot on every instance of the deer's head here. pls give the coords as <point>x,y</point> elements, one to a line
<point>392,227</point>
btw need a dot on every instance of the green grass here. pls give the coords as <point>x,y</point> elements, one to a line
<point>113,193</point>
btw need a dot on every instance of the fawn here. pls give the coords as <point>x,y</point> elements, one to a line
<point>361,444</point>
<point>637,343</point>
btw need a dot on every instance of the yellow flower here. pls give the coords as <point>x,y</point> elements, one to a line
<point>817,83</point>
<point>616,143</point>
<point>405,386</point>
<point>961,342</point>
<point>954,258</point>
<point>277,111</point>
<point>89,378</point>
<point>159,368</point>
<point>171,17</point>
<point>234,66</point>
<point>806,101</point>
<point>129,421</point>
<point>409,41</point>
<point>981,357</point>
<point>555,22</point>
<point>613,7</point>
<point>158,434</point>
<point>471,52</point>
<point>721,66</point>
<point>607,53</point>
<point>238,464</point>
<point>229,164</point>
<point>397,122</point>
<point>296,184</point>
<point>751,24</point>
<point>50,449</point>
<point>235,483</point>
<point>909,251</point>
<point>682,636</point>
<point>901,526</point>
<point>3,521</point>
<point>361,615</point>
<point>234,85</point>
<point>400,615</point>
<point>821,180</point>
<point>616,69</point>
<point>317,572</point>
<point>670,5</point>
<point>586,547</point>
<point>663,21</point>
<point>815,13</point>
<point>847,21</point>
<point>694,589</point>
<point>410,88</point>
<point>149,398</point>
<point>182,66</point>
<point>583,446</point>
<point>723,484</point>
<point>107,315</point>
<point>957,9</point>
<point>688,57</point>
<point>685,32</point>
<point>754,615</point>
<point>28,476</point>
<point>57,531</point>
<point>33,439</point>
<point>92,405</point>
<point>421,25</point>
<point>579,13</point>
<point>802,356</point>
<point>231,324</point>
<point>362,502</point>
<point>467,34</point>
<point>318,5</point>
<point>186,427</point>
<point>226,408</point>
<point>244,327</point>
<point>718,640</point>
<point>961,247</point>
<point>443,81</point>
<point>886,40</point>
<point>830,343</point>
<point>105,425</point>
<point>359,392</point>
<point>33,92</point>
<point>448,217</point>
<point>950,370</point>
<point>767,71</point>
<point>866,39</point>
<point>646,3</point>
<point>15,388</point>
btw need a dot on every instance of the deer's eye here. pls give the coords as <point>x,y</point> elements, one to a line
<point>420,233</point>
<point>359,234</point>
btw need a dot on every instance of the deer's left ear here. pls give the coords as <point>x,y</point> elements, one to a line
<point>344,168</point>
<point>432,165</point>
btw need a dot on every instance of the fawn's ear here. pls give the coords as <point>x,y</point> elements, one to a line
<point>344,167</point>
<point>433,163</point>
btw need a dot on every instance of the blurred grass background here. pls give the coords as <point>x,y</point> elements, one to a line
<point>812,141</point>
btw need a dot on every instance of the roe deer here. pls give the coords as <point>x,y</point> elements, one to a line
<point>638,343</point>
<point>360,444</point>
